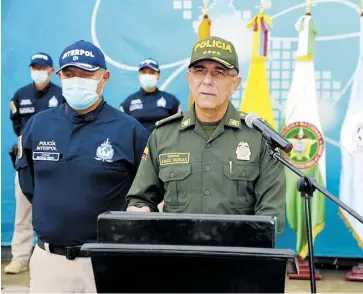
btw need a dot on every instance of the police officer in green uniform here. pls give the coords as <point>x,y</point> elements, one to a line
<point>207,160</point>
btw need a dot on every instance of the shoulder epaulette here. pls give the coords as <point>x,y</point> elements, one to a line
<point>169,119</point>
<point>243,115</point>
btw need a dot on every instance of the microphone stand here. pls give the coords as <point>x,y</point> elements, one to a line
<point>306,186</point>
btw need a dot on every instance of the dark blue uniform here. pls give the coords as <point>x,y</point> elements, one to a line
<point>77,167</point>
<point>28,101</point>
<point>148,108</point>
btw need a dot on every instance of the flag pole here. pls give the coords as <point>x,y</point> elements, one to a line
<point>262,6</point>
<point>308,7</point>
<point>203,32</point>
<point>262,9</point>
<point>306,186</point>
<point>205,8</point>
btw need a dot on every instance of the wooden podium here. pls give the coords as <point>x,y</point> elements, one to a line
<point>185,253</point>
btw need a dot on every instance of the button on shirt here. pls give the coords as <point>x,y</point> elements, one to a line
<point>229,172</point>
<point>148,108</point>
<point>28,101</point>
<point>76,168</point>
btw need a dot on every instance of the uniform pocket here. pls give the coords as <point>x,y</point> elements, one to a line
<point>239,186</point>
<point>176,179</point>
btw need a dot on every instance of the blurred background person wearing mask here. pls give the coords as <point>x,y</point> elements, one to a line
<point>27,101</point>
<point>149,105</point>
<point>96,151</point>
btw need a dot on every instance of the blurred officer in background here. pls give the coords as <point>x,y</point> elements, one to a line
<point>82,164</point>
<point>149,104</point>
<point>27,101</point>
<point>207,160</point>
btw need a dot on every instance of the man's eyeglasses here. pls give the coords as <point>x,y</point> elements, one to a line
<point>217,74</point>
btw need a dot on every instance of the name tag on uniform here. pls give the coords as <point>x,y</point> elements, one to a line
<point>25,102</point>
<point>136,104</point>
<point>46,156</point>
<point>26,110</point>
<point>174,158</point>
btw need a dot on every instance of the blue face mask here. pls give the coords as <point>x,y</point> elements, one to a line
<point>80,93</point>
<point>148,81</point>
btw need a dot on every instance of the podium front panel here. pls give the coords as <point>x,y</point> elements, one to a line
<point>186,229</point>
<point>188,269</point>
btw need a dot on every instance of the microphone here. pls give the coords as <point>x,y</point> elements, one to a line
<point>255,122</point>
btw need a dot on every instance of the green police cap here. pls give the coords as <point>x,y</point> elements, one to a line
<point>215,49</point>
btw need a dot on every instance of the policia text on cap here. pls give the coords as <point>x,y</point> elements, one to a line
<point>207,160</point>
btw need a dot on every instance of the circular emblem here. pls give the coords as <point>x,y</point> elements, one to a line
<point>105,151</point>
<point>352,133</point>
<point>308,144</point>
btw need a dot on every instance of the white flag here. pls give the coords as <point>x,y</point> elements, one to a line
<point>351,141</point>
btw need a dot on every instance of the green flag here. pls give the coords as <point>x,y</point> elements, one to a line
<point>302,128</point>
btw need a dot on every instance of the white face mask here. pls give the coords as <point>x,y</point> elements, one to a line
<point>148,81</point>
<point>39,76</point>
<point>80,93</point>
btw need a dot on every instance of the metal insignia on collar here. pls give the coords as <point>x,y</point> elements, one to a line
<point>105,151</point>
<point>186,122</point>
<point>234,122</point>
<point>243,151</point>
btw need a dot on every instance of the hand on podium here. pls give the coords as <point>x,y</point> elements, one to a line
<point>138,209</point>
<point>161,206</point>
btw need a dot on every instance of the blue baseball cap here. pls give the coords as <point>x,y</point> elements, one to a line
<point>150,63</point>
<point>42,59</point>
<point>83,55</point>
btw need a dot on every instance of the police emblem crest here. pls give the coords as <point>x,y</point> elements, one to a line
<point>105,152</point>
<point>53,102</point>
<point>243,151</point>
<point>308,144</point>
<point>161,102</point>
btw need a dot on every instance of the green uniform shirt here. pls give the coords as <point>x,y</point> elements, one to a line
<point>230,173</point>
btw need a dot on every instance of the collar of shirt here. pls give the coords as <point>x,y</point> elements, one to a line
<point>231,118</point>
<point>40,93</point>
<point>144,93</point>
<point>84,118</point>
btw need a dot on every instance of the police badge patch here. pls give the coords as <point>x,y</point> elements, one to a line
<point>243,151</point>
<point>161,102</point>
<point>53,102</point>
<point>105,152</point>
